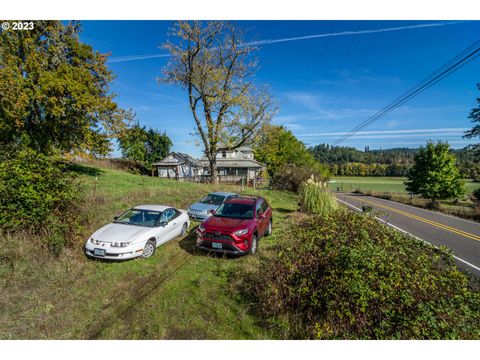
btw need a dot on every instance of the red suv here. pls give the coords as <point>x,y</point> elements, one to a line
<point>236,226</point>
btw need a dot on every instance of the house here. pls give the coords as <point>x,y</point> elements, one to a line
<point>234,165</point>
<point>179,166</point>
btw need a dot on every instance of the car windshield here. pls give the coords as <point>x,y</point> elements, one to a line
<point>138,217</point>
<point>235,211</point>
<point>213,199</point>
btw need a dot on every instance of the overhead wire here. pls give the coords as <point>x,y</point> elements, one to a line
<point>460,60</point>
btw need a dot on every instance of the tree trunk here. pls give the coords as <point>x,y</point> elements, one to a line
<point>213,171</point>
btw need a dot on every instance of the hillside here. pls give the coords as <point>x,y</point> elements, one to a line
<point>176,294</point>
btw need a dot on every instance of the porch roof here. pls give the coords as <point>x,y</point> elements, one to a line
<point>234,164</point>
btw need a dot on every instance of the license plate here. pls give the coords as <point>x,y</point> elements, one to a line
<point>99,252</point>
<point>216,245</point>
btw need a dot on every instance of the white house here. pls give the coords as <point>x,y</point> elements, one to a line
<point>179,166</point>
<point>233,166</point>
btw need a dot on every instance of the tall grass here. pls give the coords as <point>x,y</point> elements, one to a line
<point>315,199</point>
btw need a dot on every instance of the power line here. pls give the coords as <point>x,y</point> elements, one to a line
<point>341,69</point>
<point>372,40</point>
<point>439,74</point>
<point>377,64</point>
<point>320,67</point>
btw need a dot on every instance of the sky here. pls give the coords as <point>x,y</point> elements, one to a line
<point>325,76</point>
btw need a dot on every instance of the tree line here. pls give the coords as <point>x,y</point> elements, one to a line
<point>348,161</point>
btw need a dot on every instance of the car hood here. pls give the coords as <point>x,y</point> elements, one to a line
<point>223,224</point>
<point>120,233</point>
<point>202,207</point>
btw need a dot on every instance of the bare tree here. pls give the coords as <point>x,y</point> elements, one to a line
<point>210,60</point>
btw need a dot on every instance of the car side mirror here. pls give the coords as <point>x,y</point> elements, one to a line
<point>162,223</point>
<point>262,216</point>
<point>212,211</point>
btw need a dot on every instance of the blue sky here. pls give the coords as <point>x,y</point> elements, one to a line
<point>323,84</point>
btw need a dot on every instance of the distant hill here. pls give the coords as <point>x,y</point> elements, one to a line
<point>401,155</point>
<point>344,160</point>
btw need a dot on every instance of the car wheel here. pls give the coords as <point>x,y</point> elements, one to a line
<point>184,230</point>
<point>269,229</point>
<point>254,245</point>
<point>149,249</point>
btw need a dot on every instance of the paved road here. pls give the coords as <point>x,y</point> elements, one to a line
<point>461,236</point>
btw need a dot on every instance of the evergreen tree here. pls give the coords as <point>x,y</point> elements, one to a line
<point>475,131</point>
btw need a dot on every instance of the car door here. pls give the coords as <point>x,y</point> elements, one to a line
<point>261,220</point>
<point>167,227</point>
<point>173,223</point>
<point>177,223</point>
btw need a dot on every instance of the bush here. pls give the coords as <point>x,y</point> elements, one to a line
<point>315,199</point>
<point>476,196</point>
<point>291,177</point>
<point>37,195</point>
<point>345,276</point>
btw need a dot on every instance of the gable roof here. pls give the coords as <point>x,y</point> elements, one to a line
<point>188,158</point>
<point>182,159</point>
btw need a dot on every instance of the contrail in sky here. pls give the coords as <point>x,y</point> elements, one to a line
<point>307,37</point>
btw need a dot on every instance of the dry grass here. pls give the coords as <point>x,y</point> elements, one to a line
<point>177,293</point>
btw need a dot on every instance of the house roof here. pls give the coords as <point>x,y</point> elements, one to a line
<point>182,159</point>
<point>235,163</point>
<point>244,149</point>
<point>189,159</point>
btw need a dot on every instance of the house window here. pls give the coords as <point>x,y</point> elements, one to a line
<point>224,153</point>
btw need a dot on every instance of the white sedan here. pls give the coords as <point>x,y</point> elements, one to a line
<point>138,232</point>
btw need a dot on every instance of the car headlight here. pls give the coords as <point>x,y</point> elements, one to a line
<point>119,244</point>
<point>241,232</point>
<point>93,241</point>
<point>201,228</point>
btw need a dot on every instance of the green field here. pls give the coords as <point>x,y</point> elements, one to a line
<point>378,184</point>
<point>176,294</point>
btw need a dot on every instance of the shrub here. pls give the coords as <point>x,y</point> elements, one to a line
<point>290,177</point>
<point>315,199</point>
<point>37,195</point>
<point>345,276</point>
<point>476,196</point>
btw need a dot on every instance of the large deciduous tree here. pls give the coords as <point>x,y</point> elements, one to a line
<point>475,131</point>
<point>434,174</point>
<point>277,146</point>
<point>212,63</point>
<point>54,93</point>
<point>148,146</point>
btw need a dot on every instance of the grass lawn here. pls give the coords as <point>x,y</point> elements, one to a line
<point>178,293</point>
<point>379,184</point>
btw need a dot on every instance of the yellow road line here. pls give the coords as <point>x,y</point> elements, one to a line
<point>422,219</point>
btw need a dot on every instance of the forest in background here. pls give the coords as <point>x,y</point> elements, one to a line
<point>348,161</point>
